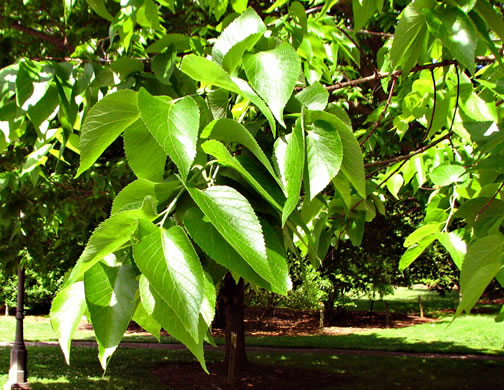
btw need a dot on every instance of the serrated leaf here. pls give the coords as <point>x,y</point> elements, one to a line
<point>224,157</point>
<point>168,260</point>
<point>353,164</point>
<point>233,217</point>
<point>240,35</point>
<point>156,306</point>
<point>481,263</point>
<point>133,195</point>
<point>106,120</point>
<point>175,127</point>
<point>455,30</point>
<point>109,236</point>
<point>324,156</point>
<point>314,97</point>
<point>414,251</point>
<point>290,158</point>
<point>208,72</point>
<point>277,258</point>
<point>411,26</point>
<point>147,322</point>
<point>213,244</point>
<point>229,130</point>
<point>110,297</point>
<point>144,155</point>
<point>445,175</point>
<point>273,75</point>
<point>67,310</point>
<point>209,300</point>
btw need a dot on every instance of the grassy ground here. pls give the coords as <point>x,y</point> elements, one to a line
<point>47,370</point>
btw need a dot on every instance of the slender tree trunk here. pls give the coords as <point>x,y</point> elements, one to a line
<point>6,310</point>
<point>232,298</point>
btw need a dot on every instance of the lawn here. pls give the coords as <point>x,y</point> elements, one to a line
<point>470,334</point>
<point>47,370</point>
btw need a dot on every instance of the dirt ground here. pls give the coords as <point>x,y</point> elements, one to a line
<point>279,322</point>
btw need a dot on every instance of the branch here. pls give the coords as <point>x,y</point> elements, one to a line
<point>61,44</point>
<point>394,80</point>
<point>407,156</point>
<point>489,202</point>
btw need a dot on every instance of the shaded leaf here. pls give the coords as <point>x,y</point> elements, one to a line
<point>168,260</point>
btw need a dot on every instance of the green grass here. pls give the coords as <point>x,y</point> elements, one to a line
<point>132,369</point>
<point>475,334</point>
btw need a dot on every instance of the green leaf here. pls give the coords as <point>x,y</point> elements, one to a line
<point>240,35</point>
<point>493,19</point>
<point>414,251</point>
<point>67,310</point>
<point>273,75</point>
<point>445,175</point>
<point>455,245</point>
<point>148,15</point>
<point>324,156</point>
<point>110,297</point>
<point>132,196</point>
<point>104,123</point>
<point>174,126</point>
<point>98,6</point>
<point>109,236</point>
<point>353,164</point>
<point>44,110</point>
<point>32,82</point>
<point>394,184</point>
<point>224,157</point>
<point>233,217</point>
<point>208,72</point>
<point>163,64</point>
<point>481,263</point>
<point>412,25</point>
<point>277,258</point>
<point>213,244</point>
<point>362,12</point>
<point>168,260</point>
<point>126,66</point>
<point>144,155</point>
<point>209,300</point>
<point>290,158</point>
<point>147,322</point>
<point>239,5</point>
<point>179,41</point>
<point>229,130</point>
<point>156,306</point>
<point>455,30</point>
<point>275,5</point>
<point>422,232</point>
<point>314,97</point>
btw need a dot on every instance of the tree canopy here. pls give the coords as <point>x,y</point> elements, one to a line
<point>257,132</point>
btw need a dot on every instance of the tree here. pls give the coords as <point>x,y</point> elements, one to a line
<point>264,130</point>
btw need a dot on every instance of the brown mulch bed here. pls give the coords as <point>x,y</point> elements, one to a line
<point>175,376</point>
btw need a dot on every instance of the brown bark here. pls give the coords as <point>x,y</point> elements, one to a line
<point>232,298</point>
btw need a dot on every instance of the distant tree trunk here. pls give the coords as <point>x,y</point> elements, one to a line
<point>6,310</point>
<point>232,298</point>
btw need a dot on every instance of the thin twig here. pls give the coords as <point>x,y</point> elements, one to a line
<point>366,58</point>
<point>456,107</point>
<point>489,202</point>
<point>391,174</point>
<point>407,156</point>
<point>433,106</point>
<point>394,80</point>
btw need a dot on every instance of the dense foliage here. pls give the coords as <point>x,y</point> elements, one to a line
<point>257,132</point>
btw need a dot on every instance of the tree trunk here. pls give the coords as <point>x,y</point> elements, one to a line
<point>6,310</point>
<point>232,298</point>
